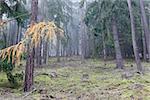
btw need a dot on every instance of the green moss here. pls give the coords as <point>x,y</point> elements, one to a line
<point>104,81</point>
<point>43,79</point>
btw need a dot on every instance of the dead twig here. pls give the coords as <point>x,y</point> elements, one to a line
<point>29,93</point>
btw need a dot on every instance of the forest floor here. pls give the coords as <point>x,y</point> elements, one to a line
<point>72,79</point>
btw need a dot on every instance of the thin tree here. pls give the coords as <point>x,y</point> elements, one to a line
<point>135,47</point>
<point>58,48</point>
<point>145,26</point>
<point>28,83</point>
<point>144,42</point>
<point>119,59</point>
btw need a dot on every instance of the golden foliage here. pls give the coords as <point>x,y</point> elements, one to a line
<point>34,34</point>
<point>13,52</point>
<point>42,30</point>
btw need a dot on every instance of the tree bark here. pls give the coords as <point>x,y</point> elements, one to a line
<point>104,48</point>
<point>145,26</point>
<point>58,48</point>
<point>28,83</point>
<point>144,42</point>
<point>18,32</point>
<point>119,59</point>
<point>45,52</point>
<point>39,54</point>
<point>135,48</point>
<point>144,47</point>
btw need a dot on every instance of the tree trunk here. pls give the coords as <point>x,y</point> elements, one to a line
<point>119,59</point>
<point>144,42</point>
<point>83,52</point>
<point>28,83</point>
<point>144,47</point>
<point>45,52</point>
<point>58,48</point>
<point>145,26</point>
<point>18,32</point>
<point>135,48</point>
<point>39,54</point>
<point>104,48</point>
<point>20,35</point>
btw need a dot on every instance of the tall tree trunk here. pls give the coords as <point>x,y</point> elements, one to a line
<point>38,54</point>
<point>144,42</point>
<point>5,38</point>
<point>20,35</point>
<point>119,59</point>
<point>58,48</point>
<point>28,83</point>
<point>135,48</point>
<point>104,48</point>
<point>18,32</point>
<point>83,52</point>
<point>145,26</point>
<point>144,47</point>
<point>45,52</point>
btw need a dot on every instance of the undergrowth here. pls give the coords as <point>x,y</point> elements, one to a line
<point>103,83</point>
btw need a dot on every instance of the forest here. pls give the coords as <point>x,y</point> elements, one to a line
<point>74,49</point>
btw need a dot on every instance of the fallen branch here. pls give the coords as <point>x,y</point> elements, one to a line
<point>51,75</point>
<point>29,93</point>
